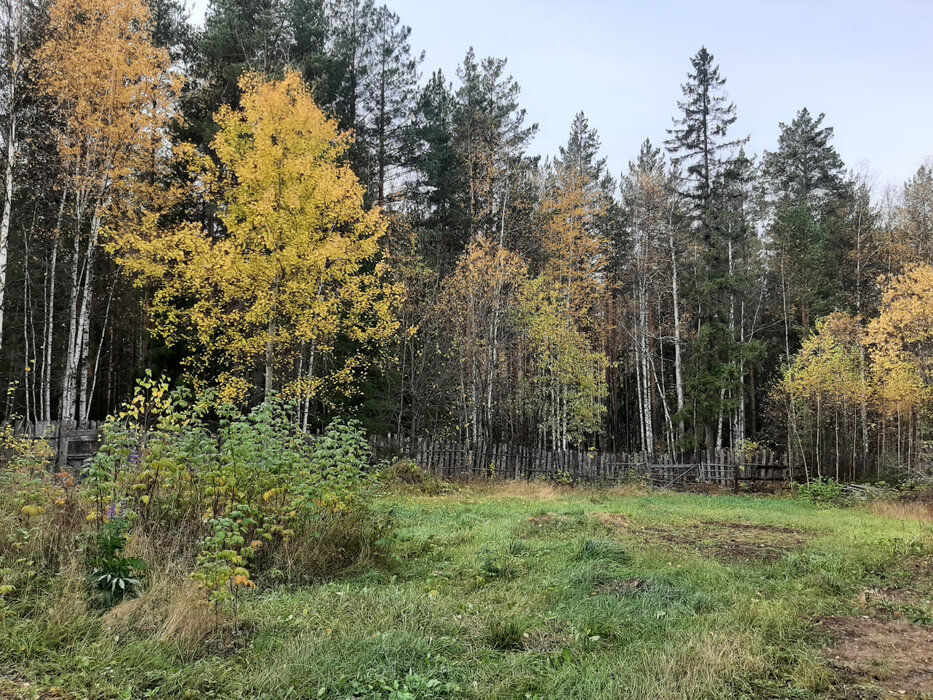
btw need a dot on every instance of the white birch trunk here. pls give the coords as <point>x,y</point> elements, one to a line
<point>14,61</point>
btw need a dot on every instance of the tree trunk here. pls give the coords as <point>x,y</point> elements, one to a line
<point>675,293</point>
<point>13,61</point>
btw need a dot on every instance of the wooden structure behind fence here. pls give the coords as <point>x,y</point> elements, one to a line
<point>72,446</point>
<point>457,461</point>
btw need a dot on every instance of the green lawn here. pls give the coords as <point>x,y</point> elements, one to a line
<point>534,593</point>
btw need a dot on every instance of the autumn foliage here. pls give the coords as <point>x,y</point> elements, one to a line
<point>851,378</point>
<point>292,273</point>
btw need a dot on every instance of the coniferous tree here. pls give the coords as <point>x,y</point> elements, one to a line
<point>710,160</point>
<point>490,137</point>
<point>699,142</point>
<point>388,101</point>
<point>437,186</point>
<point>807,186</point>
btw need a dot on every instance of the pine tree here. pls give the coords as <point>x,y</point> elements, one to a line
<point>916,217</point>
<point>390,92</point>
<point>241,36</point>
<point>491,137</point>
<point>437,186</point>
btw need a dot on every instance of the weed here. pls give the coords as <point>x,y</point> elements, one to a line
<point>113,576</point>
<point>505,634</point>
<point>823,492</point>
<point>590,550</point>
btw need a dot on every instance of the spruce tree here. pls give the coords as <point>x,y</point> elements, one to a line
<point>699,142</point>
<point>808,187</point>
<point>714,170</point>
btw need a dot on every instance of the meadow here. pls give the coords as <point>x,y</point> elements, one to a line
<point>532,591</point>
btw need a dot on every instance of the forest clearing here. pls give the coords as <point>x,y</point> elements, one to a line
<point>331,372</point>
<point>531,591</point>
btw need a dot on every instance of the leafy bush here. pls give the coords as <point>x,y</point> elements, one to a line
<point>113,576</point>
<point>253,498</point>
<point>405,472</point>
<point>257,497</point>
<point>823,492</point>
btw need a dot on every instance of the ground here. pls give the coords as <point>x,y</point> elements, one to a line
<point>526,591</point>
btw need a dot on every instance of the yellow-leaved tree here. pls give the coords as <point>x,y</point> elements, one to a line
<point>565,383</point>
<point>825,387</point>
<point>901,342</point>
<point>293,288</point>
<point>114,91</point>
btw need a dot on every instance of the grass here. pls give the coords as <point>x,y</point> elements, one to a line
<point>516,592</point>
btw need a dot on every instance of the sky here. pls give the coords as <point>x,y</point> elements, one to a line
<point>867,65</point>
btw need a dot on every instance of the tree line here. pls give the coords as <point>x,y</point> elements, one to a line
<point>284,201</point>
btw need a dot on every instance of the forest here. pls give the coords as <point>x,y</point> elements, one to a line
<point>286,201</point>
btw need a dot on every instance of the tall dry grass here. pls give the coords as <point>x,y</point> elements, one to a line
<point>916,510</point>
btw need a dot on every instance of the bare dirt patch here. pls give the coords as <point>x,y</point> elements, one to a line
<point>15,688</point>
<point>548,519</point>
<point>614,521</point>
<point>895,655</point>
<point>741,542</point>
<point>620,589</point>
<point>752,527</point>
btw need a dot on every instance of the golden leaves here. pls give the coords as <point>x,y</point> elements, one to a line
<point>294,268</point>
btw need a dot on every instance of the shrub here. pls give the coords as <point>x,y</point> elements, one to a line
<point>259,497</point>
<point>405,472</point>
<point>113,576</point>
<point>824,492</point>
<point>255,498</point>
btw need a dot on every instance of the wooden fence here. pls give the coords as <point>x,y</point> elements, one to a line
<point>457,461</point>
<point>72,446</point>
<point>453,461</point>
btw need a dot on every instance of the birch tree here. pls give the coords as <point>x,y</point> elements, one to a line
<point>115,93</point>
<point>294,286</point>
<point>14,64</point>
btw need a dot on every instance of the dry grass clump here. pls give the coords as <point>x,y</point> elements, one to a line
<point>916,510</point>
<point>525,490</point>
<point>328,546</point>
<point>170,610</point>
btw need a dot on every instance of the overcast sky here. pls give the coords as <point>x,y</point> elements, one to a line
<point>867,65</point>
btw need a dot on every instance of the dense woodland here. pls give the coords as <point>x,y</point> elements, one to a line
<point>288,201</point>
